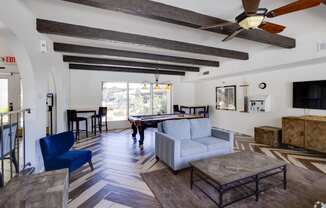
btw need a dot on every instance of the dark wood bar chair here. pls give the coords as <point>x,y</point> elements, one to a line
<point>102,112</point>
<point>204,113</point>
<point>185,110</point>
<point>176,109</point>
<point>72,117</point>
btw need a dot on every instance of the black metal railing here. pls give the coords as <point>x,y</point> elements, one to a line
<point>12,144</point>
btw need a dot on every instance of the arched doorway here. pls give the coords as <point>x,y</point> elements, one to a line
<point>36,68</point>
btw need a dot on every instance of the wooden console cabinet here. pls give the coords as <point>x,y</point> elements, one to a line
<point>307,132</point>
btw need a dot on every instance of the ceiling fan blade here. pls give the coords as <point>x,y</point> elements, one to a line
<point>293,7</point>
<point>217,25</point>
<point>235,33</point>
<point>250,6</point>
<point>271,27</point>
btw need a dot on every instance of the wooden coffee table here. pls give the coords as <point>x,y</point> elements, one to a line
<point>235,170</point>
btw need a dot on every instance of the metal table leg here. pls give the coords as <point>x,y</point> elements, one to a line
<point>284,177</point>
<point>257,187</point>
<point>191,177</point>
<point>220,203</point>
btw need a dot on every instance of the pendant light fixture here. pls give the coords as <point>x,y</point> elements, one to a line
<point>157,75</point>
<point>145,86</point>
<point>168,87</point>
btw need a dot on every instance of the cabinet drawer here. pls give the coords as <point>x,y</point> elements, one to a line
<point>315,138</point>
<point>293,132</point>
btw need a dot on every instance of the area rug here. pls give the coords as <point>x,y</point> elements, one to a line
<point>305,188</point>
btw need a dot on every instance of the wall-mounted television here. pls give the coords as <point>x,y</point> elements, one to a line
<point>309,95</point>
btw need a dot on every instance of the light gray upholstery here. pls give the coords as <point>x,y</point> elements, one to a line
<point>179,129</point>
<point>212,143</point>
<point>189,147</point>
<point>173,149</point>
<point>200,128</point>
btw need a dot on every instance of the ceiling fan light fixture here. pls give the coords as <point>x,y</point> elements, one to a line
<point>251,22</point>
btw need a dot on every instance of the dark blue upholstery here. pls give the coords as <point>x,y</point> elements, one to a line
<point>57,154</point>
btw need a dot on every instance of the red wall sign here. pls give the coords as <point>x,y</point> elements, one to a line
<point>9,59</point>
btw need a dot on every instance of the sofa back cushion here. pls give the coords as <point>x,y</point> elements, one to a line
<point>200,128</point>
<point>179,129</point>
<point>160,127</point>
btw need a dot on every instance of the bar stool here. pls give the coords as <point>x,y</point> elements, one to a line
<point>102,112</point>
<point>176,109</point>
<point>204,113</point>
<point>72,117</point>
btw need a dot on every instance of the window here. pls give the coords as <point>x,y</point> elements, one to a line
<point>115,98</point>
<point>139,99</point>
<point>4,107</point>
<point>4,96</point>
<point>124,99</point>
<point>162,99</point>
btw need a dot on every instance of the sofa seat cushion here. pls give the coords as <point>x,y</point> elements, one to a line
<point>200,128</point>
<point>213,143</point>
<point>72,160</point>
<point>189,148</point>
<point>179,129</point>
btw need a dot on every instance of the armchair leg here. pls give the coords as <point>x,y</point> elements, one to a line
<point>91,165</point>
<point>175,172</point>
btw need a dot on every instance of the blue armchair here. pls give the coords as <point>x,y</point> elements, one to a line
<point>57,154</point>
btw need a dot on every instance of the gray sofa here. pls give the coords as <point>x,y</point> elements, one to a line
<point>178,142</point>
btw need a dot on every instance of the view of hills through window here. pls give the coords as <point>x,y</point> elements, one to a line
<point>123,99</point>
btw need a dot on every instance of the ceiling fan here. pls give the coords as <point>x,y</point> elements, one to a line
<point>254,17</point>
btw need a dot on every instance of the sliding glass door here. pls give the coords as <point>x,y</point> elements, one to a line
<point>139,99</point>
<point>114,96</point>
<point>131,99</point>
<point>162,99</point>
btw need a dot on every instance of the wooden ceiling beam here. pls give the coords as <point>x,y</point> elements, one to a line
<point>79,49</point>
<point>114,62</point>
<point>79,31</point>
<point>175,15</point>
<point>123,69</point>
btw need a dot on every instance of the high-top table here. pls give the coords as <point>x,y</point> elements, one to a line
<point>232,171</point>
<point>84,111</point>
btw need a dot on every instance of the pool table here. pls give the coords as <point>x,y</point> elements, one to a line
<point>140,123</point>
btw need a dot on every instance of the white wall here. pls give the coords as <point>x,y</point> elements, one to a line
<point>86,92</point>
<point>34,66</point>
<point>279,86</point>
<point>183,93</point>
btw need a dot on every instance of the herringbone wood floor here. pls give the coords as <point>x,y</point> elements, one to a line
<point>116,180</point>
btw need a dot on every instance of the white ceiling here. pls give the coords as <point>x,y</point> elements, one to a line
<point>298,24</point>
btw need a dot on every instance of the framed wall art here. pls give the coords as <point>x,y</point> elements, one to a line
<point>226,98</point>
